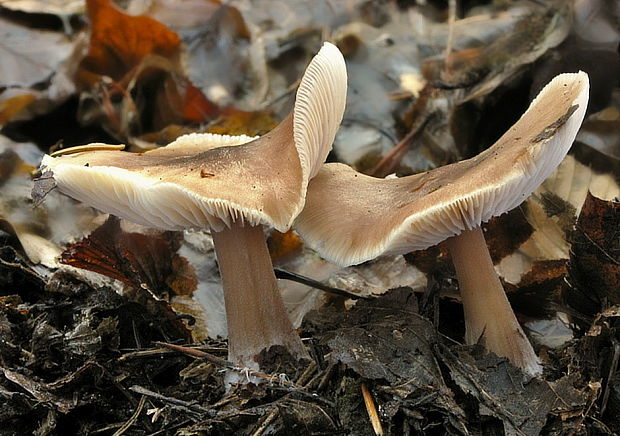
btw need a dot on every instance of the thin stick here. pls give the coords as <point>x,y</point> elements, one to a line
<point>450,42</point>
<point>419,115</point>
<point>612,370</point>
<point>271,378</point>
<point>174,402</point>
<point>390,161</point>
<point>287,275</point>
<point>371,408</point>
<point>88,147</point>
<point>268,420</point>
<point>131,421</point>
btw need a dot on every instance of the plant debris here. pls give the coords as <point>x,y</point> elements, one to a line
<point>111,328</point>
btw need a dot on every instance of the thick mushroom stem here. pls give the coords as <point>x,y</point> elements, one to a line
<point>489,319</point>
<point>255,313</point>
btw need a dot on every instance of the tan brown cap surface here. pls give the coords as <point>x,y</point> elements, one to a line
<point>350,218</point>
<point>206,180</point>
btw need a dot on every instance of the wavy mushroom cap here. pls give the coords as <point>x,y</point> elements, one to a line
<point>210,181</point>
<point>350,218</point>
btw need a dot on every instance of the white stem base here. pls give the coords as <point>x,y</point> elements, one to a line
<point>255,313</point>
<point>489,319</point>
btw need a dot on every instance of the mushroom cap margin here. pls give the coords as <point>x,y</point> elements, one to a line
<point>350,218</point>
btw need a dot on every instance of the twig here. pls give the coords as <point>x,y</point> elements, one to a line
<point>420,116</point>
<point>306,374</point>
<point>167,430</point>
<point>612,370</point>
<point>145,353</point>
<point>174,402</point>
<point>153,352</point>
<point>131,421</point>
<point>379,129</point>
<point>270,378</point>
<point>371,408</point>
<point>450,42</point>
<point>286,275</point>
<point>268,420</point>
<point>328,372</point>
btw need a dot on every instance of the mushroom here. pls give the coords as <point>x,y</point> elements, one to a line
<point>350,218</point>
<point>232,185</point>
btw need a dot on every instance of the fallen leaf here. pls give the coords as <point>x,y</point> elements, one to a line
<point>11,107</point>
<point>149,89</point>
<point>139,260</point>
<point>175,13</point>
<point>504,234</point>
<point>40,391</point>
<point>284,246</point>
<point>538,289</point>
<point>224,61</point>
<point>237,122</point>
<point>594,268</point>
<point>552,212</point>
<point>601,131</point>
<point>30,56</point>
<point>521,405</point>
<point>119,42</point>
<point>55,7</point>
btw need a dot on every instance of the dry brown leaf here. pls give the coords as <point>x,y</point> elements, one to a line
<point>283,246</point>
<point>595,250</point>
<point>119,42</point>
<point>552,211</point>
<point>538,288</point>
<point>149,88</point>
<point>139,260</point>
<point>13,106</point>
<point>237,122</point>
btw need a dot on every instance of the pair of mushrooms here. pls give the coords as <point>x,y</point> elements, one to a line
<point>236,185</point>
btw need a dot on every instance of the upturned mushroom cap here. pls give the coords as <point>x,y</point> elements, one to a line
<point>210,181</point>
<point>350,218</point>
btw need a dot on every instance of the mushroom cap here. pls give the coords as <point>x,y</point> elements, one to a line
<point>350,218</point>
<point>207,180</point>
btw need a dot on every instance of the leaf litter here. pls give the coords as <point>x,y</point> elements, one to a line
<point>110,328</point>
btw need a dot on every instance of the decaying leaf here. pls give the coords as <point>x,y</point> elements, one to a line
<point>38,390</point>
<point>552,211</point>
<point>43,185</point>
<point>538,30</point>
<point>506,233</point>
<point>119,42</point>
<point>538,289</point>
<point>76,353</point>
<point>148,88</point>
<point>30,56</point>
<point>595,252</point>
<point>223,60</point>
<point>137,259</point>
<point>387,342</point>
<point>601,131</point>
<point>521,406</point>
<point>12,106</point>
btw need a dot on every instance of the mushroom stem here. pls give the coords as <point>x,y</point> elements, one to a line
<point>489,319</point>
<point>255,313</point>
